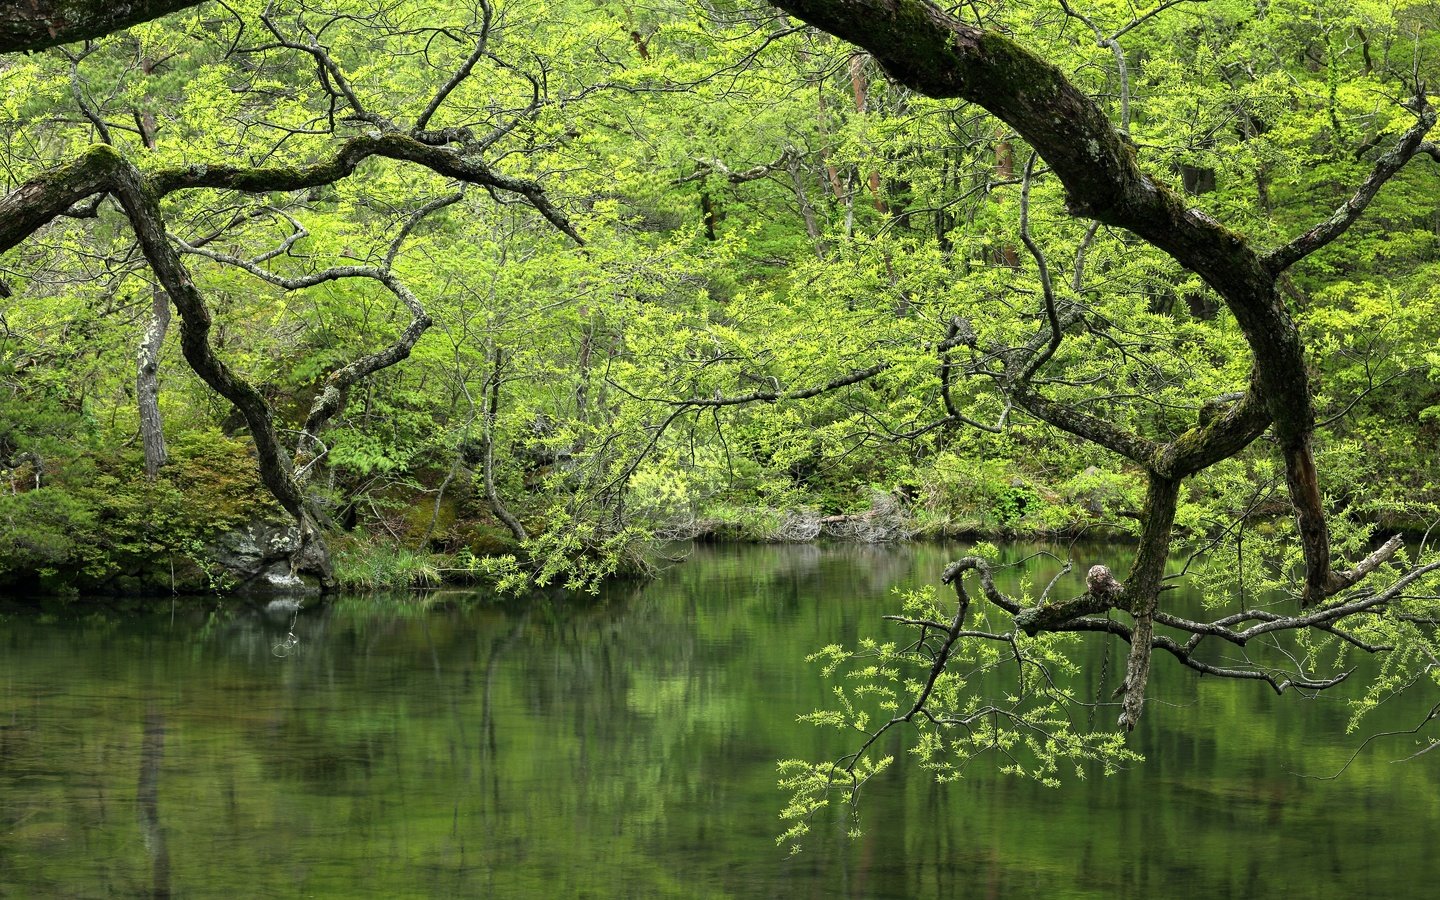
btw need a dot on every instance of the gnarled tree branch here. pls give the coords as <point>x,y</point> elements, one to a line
<point>36,24</point>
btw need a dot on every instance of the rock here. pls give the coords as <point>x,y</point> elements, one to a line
<point>259,558</point>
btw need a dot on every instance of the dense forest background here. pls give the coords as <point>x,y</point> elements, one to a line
<point>684,270</point>
<point>375,294</point>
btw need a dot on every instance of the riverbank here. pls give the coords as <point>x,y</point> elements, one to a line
<point>242,548</point>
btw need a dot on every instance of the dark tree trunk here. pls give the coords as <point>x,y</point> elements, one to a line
<point>937,54</point>
<point>147,376</point>
<point>940,56</point>
<point>103,169</point>
<point>487,460</point>
<point>1142,590</point>
<point>1005,255</point>
<point>330,399</point>
<point>1197,180</point>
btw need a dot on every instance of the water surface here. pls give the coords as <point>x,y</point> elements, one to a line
<point>625,746</point>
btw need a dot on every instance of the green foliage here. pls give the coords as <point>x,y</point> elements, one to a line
<point>363,564</point>
<point>36,529</point>
<point>107,525</point>
<point>1010,701</point>
<point>698,282</point>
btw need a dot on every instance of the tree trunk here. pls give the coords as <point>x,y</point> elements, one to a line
<point>147,385</point>
<point>487,461</point>
<point>1142,590</point>
<point>807,212</point>
<point>937,54</point>
<point>832,174</point>
<point>143,210</point>
<point>1006,255</point>
<point>147,378</point>
<point>861,89</point>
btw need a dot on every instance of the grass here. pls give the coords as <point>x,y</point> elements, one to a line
<point>366,565</point>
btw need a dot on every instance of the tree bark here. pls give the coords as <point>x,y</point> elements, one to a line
<point>1005,255</point>
<point>147,385</point>
<point>330,399</point>
<point>1142,590</point>
<point>860,87</point>
<point>487,460</point>
<point>940,56</point>
<point>807,212</point>
<point>27,25</point>
<point>147,376</point>
<point>102,168</point>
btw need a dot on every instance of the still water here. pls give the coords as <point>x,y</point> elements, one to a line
<point>625,746</point>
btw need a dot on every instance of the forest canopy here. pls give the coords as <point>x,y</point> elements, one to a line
<point>520,291</point>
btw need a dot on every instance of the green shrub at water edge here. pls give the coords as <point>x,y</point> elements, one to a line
<point>362,564</point>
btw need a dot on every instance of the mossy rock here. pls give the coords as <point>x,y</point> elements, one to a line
<point>420,512</point>
<point>481,539</point>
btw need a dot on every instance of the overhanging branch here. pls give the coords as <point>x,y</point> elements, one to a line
<point>27,25</point>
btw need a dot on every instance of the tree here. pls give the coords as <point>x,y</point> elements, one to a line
<point>452,152</point>
<point>1101,168</point>
<point>804,286</point>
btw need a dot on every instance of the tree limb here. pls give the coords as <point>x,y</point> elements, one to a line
<point>1410,143</point>
<point>27,25</point>
<point>934,52</point>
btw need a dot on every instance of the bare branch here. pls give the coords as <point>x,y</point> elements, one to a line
<point>1057,334</point>
<point>705,166</point>
<point>481,44</point>
<point>330,71</point>
<point>1410,143</point>
<point>954,575</point>
<point>331,397</point>
<point>1339,581</point>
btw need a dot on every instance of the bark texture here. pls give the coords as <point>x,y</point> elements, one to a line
<point>147,385</point>
<point>36,24</point>
<point>103,169</point>
<point>940,56</point>
<point>1146,576</point>
<point>487,461</point>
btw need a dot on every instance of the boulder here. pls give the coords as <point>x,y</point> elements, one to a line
<point>261,559</point>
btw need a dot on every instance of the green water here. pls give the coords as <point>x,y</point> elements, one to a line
<point>626,747</point>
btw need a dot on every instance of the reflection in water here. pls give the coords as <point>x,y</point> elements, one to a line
<point>152,749</point>
<point>625,747</point>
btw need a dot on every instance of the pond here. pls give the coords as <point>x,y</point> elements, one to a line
<point>626,746</point>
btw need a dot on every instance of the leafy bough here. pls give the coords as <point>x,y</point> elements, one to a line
<point>992,675</point>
